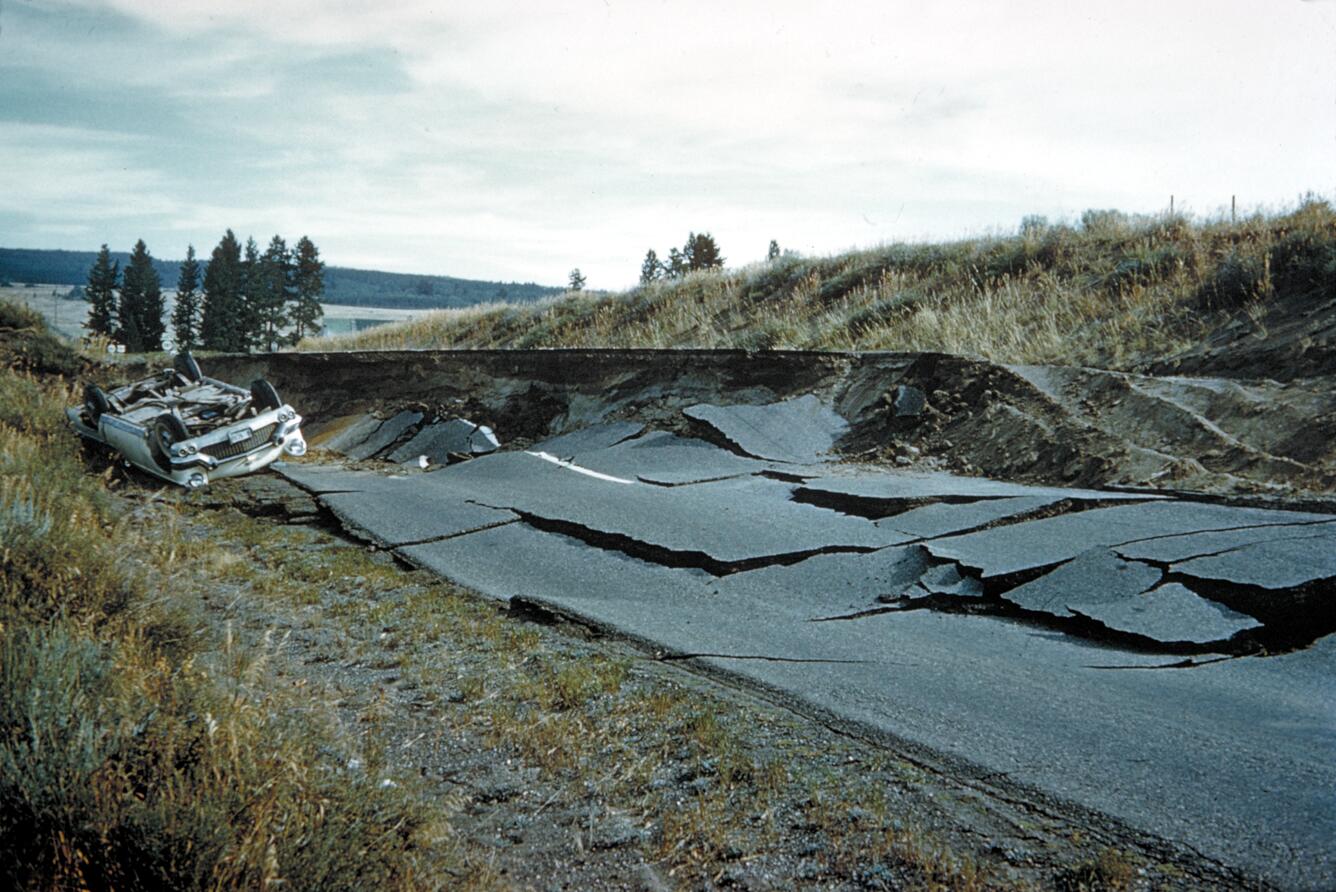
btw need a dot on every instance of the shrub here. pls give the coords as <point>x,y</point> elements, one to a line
<point>1143,267</point>
<point>1104,222</point>
<point>1238,279</point>
<point>26,343</point>
<point>1304,262</point>
<point>1033,226</point>
<point>118,770</point>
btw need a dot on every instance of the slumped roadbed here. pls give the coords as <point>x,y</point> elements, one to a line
<point>1162,660</point>
<point>1096,654</point>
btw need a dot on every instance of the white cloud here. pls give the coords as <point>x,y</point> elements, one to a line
<point>69,176</point>
<point>519,139</point>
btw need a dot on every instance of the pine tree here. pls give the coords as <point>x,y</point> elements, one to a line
<point>577,280</point>
<point>702,252</point>
<point>220,328</point>
<point>677,264</point>
<point>250,284</point>
<point>651,269</point>
<point>129,308</point>
<point>151,324</point>
<point>141,306</point>
<point>273,276</point>
<point>773,253</point>
<point>309,286</point>
<point>101,294</point>
<point>185,315</point>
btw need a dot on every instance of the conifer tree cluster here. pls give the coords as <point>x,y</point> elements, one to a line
<point>700,252</point>
<point>241,299</point>
<point>261,300</point>
<point>126,306</point>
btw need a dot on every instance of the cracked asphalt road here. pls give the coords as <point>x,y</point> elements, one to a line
<point>1164,662</point>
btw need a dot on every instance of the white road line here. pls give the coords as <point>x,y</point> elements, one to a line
<point>546,456</point>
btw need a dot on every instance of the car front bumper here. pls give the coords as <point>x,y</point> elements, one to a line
<point>230,452</point>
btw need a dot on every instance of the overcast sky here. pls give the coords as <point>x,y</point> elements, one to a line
<point>516,140</point>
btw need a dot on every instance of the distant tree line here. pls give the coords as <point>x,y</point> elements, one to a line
<point>241,300</point>
<point>353,287</point>
<point>700,252</point>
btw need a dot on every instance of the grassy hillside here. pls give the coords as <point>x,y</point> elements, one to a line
<point>354,287</point>
<point>1104,292</point>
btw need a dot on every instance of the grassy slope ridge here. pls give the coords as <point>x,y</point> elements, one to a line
<point>1106,293</point>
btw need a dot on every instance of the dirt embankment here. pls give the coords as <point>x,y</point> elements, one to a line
<point>1034,423</point>
<point>1290,339</point>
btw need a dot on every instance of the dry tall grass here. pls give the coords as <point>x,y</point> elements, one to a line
<point>132,755</point>
<point>1101,293</point>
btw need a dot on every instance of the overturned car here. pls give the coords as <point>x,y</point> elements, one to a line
<point>189,429</point>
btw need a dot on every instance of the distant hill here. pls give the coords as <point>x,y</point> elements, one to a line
<point>370,288</point>
<point>354,287</point>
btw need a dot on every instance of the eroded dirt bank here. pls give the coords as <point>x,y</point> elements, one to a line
<point>1034,423</point>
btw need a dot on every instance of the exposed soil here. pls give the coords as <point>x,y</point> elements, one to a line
<point>1286,339</point>
<point>1094,428</point>
<point>1257,438</point>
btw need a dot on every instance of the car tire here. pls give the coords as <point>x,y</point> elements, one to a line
<point>95,403</point>
<point>168,430</point>
<point>188,367</point>
<point>263,396</point>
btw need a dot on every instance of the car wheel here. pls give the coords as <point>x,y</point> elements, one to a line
<point>168,430</point>
<point>95,403</point>
<point>186,365</point>
<point>263,395</point>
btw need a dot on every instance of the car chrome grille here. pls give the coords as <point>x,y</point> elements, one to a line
<point>230,450</point>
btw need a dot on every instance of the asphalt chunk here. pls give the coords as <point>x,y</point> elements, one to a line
<point>385,435</point>
<point>1279,564</point>
<point>1170,613</point>
<point>1095,577</point>
<point>670,460</point>
<point>1040,543</point>
<point>1192,545</point>
<point>802,430</point>
<point>944,519</point>
<point>590,439</point>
